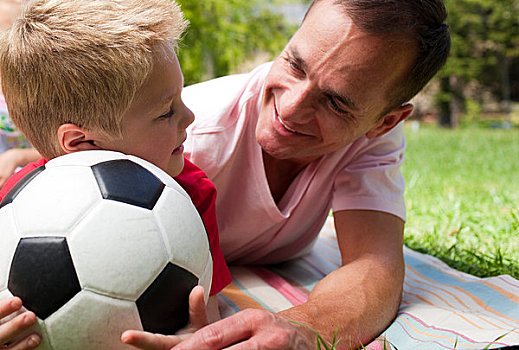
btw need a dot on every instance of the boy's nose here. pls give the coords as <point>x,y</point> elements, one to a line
<point>187,118</point>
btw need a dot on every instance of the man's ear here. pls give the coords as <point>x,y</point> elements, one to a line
<point>73,138</point>
<point>390,120</point>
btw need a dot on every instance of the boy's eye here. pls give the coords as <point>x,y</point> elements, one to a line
<point>169,114</point>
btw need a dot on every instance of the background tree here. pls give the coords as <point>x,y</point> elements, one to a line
<point>224,34</point>
<point>484,55</point>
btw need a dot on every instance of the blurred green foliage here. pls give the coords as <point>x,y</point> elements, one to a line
<point>224,34</point>
<point>484,51</point>
<point>483,32</point>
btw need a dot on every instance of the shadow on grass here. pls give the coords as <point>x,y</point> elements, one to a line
<point>470,261</point>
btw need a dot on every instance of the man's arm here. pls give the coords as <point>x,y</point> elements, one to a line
<point>361,298</point>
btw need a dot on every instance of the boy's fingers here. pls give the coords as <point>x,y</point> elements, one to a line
<point>16,326</point>
<point>27,343</point>
<point>8,306</point>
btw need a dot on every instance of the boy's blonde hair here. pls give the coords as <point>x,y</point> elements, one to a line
<point>81,62</point>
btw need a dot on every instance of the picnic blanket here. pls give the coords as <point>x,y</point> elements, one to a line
<point>441,308</point>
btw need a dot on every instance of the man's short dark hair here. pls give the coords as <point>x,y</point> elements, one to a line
<point>422,21</point>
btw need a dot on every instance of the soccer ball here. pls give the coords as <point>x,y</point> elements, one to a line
<point>98,242</point>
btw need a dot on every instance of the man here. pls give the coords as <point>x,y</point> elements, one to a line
<point>320,128</point>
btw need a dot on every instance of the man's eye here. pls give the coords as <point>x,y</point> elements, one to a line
<point>294,65</point>
<point>335,106</point>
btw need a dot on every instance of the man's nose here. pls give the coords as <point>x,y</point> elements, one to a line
<point>296,103</point>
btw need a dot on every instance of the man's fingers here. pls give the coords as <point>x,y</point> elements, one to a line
<point>197,309</point>
<point>149,341</point>
<point>250,329</point>
<point>220,334</point>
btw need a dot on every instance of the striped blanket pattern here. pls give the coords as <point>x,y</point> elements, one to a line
<point>441,308</point>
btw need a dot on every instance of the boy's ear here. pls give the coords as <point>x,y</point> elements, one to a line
<point>73,138</point>
<point>390,120</point>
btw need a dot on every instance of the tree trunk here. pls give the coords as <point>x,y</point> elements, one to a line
<point>458,100</point>
<point>505,79</point>
<point>452,105</point>
<point>445,105</point>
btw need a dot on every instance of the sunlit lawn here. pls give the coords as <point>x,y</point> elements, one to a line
<point>462,197</point>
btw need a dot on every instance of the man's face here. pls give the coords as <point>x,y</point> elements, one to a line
<point>154,127</point>
<point>328,87</point>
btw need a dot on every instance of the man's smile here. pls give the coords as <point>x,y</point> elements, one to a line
<point>280,120</point>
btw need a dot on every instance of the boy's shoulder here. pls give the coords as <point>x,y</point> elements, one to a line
<point>13,180</point>
<point>196,183</point>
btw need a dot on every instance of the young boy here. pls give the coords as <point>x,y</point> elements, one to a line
<point>81,75</point>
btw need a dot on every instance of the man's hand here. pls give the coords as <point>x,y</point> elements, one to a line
<point>11,330</point>
<point>251,329</point>
<point>198,318</point>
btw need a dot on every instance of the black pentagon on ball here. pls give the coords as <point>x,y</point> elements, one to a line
<point>13,192</point>
<point>126,181</point>
<point>42,274</point>
<point>164,306</point>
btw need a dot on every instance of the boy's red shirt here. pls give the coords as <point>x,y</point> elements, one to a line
<point>203,195</point>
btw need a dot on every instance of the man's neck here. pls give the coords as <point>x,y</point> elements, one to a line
<point>280,174</point>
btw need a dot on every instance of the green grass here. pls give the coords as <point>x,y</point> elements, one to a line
<point>462,197</point>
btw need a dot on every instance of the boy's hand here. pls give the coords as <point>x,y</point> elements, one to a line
<point>197,319</point>
<point>13,158</point>
<point>8,164</point>
<point>15,326</point>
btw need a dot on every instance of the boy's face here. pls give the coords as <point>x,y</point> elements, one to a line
<point>9,9</point>
<point>154,127</point>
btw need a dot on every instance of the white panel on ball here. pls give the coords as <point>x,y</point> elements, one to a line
<point>56,208</point>
<point>79,323</point>
<point>85,158</point>
<point>111,249</point>
<point>184,231</point>
<point>206,279</point>
<point>8,241</point>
